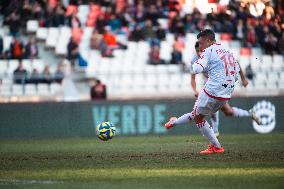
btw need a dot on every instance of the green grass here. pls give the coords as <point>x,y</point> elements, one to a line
<point>250,161</point>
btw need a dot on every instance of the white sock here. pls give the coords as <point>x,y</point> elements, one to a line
<point>240,112</point>
<point>215,122</point>
<point>186,118</point>
<point>208,132</point>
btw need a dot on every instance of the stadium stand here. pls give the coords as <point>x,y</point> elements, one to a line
<point>122,64</point>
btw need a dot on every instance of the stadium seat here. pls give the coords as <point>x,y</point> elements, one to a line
<point>30,89</point>
<point>52,38</point>
<point>244,61</point>
<point>277,66</point>
<point>235,44</point>
<point>27,64</point>
<point>225,36</point>
<point>32,26</point>
<point>71,9</point>
<point>245,52</point>
<point>63,40</point>
<point>226,44</point>
<point>281,85</point>
<point>12,65</point>
<point>77,34</point>
<point>267,59</point>
<point>7,40</point>
<point>17,90</point>
<point>256,63</point>
<point>55,88</point>
<point>41,33</point>
<point>259,81</point>
<point>38,64</point>
<point>236,52</point>
<point>43,89</point>
<point>3,68</point>
<point>278,59</point>
<point>5,90</point>
<point>256,51</point>
<point>165,51</point>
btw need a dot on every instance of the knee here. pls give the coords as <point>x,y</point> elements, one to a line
<point>198,119</point>
<point>229,112</point>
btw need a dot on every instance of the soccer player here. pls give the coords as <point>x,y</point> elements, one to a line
<point>226,109</point>
<point>222,70</point>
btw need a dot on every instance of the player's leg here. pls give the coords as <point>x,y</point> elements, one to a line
<point>214,118</point>
<point>234,111</point>
<point>186,118</point>
<point>205,128</point>
<point>204,106</point>
<point>238,112</point>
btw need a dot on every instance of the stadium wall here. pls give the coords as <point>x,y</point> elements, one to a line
<point>131,117</point>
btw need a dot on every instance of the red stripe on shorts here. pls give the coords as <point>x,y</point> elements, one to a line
<point>216,97</point>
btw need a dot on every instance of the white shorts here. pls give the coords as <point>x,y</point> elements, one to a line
<point>206,105</point>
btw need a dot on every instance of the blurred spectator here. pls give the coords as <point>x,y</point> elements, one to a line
<point>72,50</point>
<point>178,47</point>
<point>161,33</point>
<point>16,49</point>
<point>281,44</point>
<point>73,21</point>
<point>154,56</point>
<point>31,50</point>
<point>20,74</point>
<point>270,44</point>
<point>59,17</point>
<point>98,91</point>
<point>13,20</point>
<point>114,23</point>
<point>148,31</point>
<point>46,75</point>
<point>101,23</point>
<point>250,37</point>
<point>136,34</point>
<point>96,39</point>
<point>1,48</point>
<point>249,72</point>
<point>35,77</point>
<point>110,40</point>
<point>59,74</point>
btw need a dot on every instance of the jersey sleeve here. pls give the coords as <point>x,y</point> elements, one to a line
<point>194,58</point>
<point>200,64</point>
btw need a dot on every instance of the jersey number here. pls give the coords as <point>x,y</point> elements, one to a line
<point>229,62</point>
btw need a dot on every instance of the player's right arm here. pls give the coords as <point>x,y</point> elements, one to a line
<point>193,84</point>
<point>200,65</point>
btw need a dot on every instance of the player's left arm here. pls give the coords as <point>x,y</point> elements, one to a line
<point>243,77</point>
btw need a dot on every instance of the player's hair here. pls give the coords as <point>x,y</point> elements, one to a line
<point>209,34</point>
<point>196,46</point>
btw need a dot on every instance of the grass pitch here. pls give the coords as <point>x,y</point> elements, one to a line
<point>250,161</point>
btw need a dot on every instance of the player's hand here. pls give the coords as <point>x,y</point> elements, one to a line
<point>245,82</point>
<point>196,94</point>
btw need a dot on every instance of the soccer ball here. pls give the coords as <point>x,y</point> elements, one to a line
<point>105,131</point>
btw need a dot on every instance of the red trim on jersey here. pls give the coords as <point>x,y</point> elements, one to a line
<point>216,97</point>
<point>199,64</point>
<point>217,43</point>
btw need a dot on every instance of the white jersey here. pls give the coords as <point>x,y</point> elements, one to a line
<point>195,58</point>
<point>222,69</point>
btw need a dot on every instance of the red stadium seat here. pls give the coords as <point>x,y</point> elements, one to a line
<point>71,9</point>
<point>90,22</point>
<point>226,37</point>
<point>245,52</point>
<point>52,3</point>
<point>95,8</point>
<point>77,34</point>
